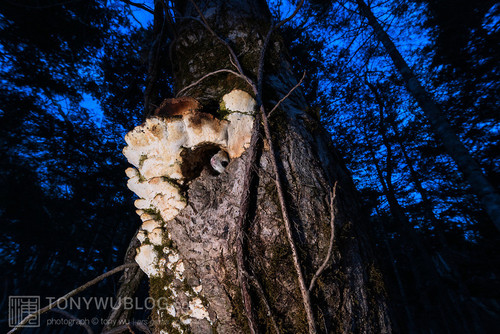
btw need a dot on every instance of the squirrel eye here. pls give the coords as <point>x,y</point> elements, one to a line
<point>224,163</point>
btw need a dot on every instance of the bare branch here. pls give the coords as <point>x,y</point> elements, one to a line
<point>160,18</point>
<point>332,238</point>
<point>70,294</point>
<point>260,72</point>
<point>288,227</point>
<point>287,95</point>
<point>297,8</point>
<point>209,75</point>
<point>129,283</point>
<point>274,157</point>
<point>130,329</point>
<point>139,5</point>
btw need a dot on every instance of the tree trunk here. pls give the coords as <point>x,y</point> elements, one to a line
<point>480,185</point>
<point>189,210</point>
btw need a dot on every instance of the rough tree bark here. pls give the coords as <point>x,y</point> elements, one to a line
<point>196,266</point>
<point>480,185</point>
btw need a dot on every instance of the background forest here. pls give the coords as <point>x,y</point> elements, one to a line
<point>73,80</point>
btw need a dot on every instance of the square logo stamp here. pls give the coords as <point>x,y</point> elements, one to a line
<point>22,306</point>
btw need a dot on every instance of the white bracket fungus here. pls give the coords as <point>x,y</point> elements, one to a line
<point>166,152</point>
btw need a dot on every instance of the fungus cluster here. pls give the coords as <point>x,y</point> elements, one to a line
<point>169,150</point>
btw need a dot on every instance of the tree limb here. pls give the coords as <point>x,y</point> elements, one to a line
<point>288,227</point>
<point>129,283</point>
<point>287,95</point>
<point>274,157</point>
<point>332,238</point>
<point>209,75</point>
<point>139,5</point>
<point>297,8</point>
<point>70,294</point>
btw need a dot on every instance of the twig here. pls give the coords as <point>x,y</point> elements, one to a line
<point>154,55</point>
<point>260,72</point>
<point>130,329</point>
<point>274,157</point>
<point>297,8</point>
<point>288,227</point>
<point>139,5</point>
<point>287,95</point>
<point>209,75</point>
<point>129,283</point>
<point>78,321</point>
<point>70,294</point>
<point>332,238</point>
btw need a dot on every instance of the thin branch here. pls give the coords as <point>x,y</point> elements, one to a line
<point>274,157</point>
<point>297,8</point>
<point>131,13</point>
<point>129,283</point>
<point>155,54</point>
<point>288,227</point>
<point>287,95</point>
<point>260,72</point>
<point>332,238</point>
<point>70,294</point>
<point>139,5</point>
<point>209,75</point>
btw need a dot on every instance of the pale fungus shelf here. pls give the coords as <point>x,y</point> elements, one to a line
<point>167,151</point>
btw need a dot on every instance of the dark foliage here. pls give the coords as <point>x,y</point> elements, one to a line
<point>73,76</point>
<point>72,81</point>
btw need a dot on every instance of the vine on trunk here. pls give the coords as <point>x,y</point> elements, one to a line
<point>249,173</point>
